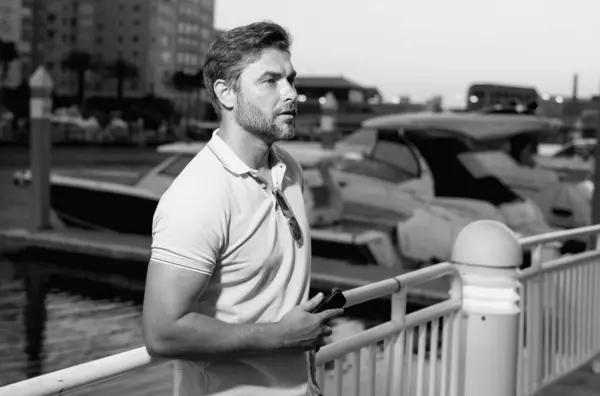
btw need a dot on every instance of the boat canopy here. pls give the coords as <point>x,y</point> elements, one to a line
<point>181,148</point>
<point>466,125</point>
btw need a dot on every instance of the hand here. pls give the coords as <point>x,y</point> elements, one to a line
<point>299,329</point>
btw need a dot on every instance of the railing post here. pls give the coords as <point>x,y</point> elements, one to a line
<point>40,146</point>
<point>397,380</point>
<point>488,254</point>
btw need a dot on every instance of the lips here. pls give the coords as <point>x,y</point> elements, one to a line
<point>290,113</point>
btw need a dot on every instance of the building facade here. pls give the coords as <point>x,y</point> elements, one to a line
<point>194,33</point>
<point>155,37</point>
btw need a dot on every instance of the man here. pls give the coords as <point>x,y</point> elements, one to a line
<point>228,279</point>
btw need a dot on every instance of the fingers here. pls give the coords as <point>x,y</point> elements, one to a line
<point>312,303</point>
<point>330,314</point>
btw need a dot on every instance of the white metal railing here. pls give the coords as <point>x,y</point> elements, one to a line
<point>393,371</point>
<point>560,316</point>
<point>479,337</point>
<point>396,335</point>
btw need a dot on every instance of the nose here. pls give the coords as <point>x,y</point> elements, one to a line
<point>289,92</point>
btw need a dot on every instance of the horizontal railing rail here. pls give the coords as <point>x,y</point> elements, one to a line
<point>559,236</point>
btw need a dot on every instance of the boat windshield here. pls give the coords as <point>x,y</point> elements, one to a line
<point>576,148</point>
<point>481,163</point>
<point>460,172</point>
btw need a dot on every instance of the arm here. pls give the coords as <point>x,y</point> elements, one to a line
<point>173,331</point>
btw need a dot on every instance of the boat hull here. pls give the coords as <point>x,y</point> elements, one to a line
<point>103,209</point>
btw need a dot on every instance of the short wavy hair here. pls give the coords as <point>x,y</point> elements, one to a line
<point>230,53</point>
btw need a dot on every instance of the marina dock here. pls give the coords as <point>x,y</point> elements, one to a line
<point>327,273</point>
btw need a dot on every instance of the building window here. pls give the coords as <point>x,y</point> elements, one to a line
<point>166,56</point>
<point>135,39</point>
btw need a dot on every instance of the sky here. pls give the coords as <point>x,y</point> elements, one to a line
<point>422,48</point>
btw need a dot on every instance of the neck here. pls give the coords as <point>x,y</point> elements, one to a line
<point>251,149</point>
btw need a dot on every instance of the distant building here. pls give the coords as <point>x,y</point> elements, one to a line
<point>373,95</point>
<point>580,112</point>
<point>194,34</point>
<point>345,91</point>
<point>158,37</point>
<point>434,104</point>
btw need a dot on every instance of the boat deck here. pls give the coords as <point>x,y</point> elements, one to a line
<point>135,249</point>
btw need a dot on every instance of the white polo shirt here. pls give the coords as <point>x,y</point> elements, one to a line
<point>218,220</point>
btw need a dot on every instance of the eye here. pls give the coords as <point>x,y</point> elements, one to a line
<point>270,81</point>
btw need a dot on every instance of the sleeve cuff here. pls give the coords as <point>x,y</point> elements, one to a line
<point>168,257</point>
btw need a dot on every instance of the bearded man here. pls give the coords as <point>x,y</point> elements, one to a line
<point>228,280</point>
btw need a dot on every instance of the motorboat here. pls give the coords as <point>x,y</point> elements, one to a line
<point>500,145</point>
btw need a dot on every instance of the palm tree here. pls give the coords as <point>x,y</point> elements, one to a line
<point>80,62</point>
<point>188,83</point>
<point>121,70</point>
<point>8,54</point>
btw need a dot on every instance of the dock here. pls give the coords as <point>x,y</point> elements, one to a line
<point>327,273</point>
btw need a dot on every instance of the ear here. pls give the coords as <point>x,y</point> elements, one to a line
<point>225,94</point>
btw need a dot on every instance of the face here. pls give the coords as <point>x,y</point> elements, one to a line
<point>265,103</point>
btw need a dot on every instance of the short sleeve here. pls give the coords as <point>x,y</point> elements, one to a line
<point>188,230</point>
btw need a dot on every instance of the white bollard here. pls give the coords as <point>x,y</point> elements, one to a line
<point>40,146</point>
<point>488,254</point>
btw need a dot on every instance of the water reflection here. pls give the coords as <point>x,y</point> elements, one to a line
<point>53,315</point>
<point>35,284</point>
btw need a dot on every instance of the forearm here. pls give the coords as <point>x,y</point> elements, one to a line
<point>199,337</point>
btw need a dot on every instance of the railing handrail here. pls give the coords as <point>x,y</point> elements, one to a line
<point>558,264</point>
<point>84,374</point>
<point>89,373</point>
<point>557,236</point>
<point>373,291</point>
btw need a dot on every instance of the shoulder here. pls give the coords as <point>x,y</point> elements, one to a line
<point>201,180</point>
<point>202,184</point>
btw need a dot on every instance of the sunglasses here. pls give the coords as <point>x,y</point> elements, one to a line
<point>288,214</point>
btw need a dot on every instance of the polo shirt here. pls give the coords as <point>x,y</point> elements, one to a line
<point>216,218</point>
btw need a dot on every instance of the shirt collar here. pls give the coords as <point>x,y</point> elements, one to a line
<point>232,162</point>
